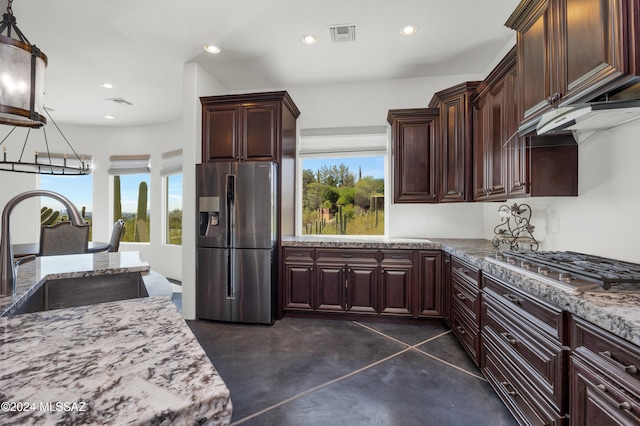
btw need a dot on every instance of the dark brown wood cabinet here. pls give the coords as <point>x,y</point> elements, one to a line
<point>494,124</point>
<point>573,51</point>
<point>396,285</point>
<point>455,142</point>
<point>385,283</point>
<point>523,353</point>
<point>506,164</point>
<point>298,279</point>
<point>347,281</point>
<point>429,285</point>
<point>247,127</point>
<point>604,377</point>
<point>415,167</point>
<point>465,306</point>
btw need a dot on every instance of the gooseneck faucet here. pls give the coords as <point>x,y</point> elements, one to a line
<point>7,264</point>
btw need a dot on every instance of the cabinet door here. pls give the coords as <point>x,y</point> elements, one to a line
<point>597,47</point>
<point>516,149</point>
<point>396,290</point>
<point>260,132</point>
<point>362,289</point>
<point>298,286</point>
<point>414,165</point>
<point>220,133</point>
<point>456,153</point>
<point>430,285</point>
<point>331,288</point>
<point>536,61</point>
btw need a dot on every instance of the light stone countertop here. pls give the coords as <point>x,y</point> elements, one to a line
<point>128,362</point>
<point>31,275</point>
<point>618,313</point>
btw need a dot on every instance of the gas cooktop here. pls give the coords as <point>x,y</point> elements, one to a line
<point>577,272</point>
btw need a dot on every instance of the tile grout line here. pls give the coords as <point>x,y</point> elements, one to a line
<point>318,387</point>
<point>415,347</point>
<point>450,365</point>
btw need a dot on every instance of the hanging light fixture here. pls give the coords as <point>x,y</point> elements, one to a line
<point>22,67</point>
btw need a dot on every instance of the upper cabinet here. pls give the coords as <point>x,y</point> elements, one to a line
<point>455,142</point>
<point>415,134</point>
<point>573,51</point>
<point>248,127</point>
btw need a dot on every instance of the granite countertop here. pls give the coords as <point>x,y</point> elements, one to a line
<point>31,275</point>
<point>127,362</point>
<point>618,313</point>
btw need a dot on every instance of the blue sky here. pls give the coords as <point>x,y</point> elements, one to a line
<point>371,166</point>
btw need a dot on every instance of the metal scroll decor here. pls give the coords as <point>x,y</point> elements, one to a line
<point>515,227</point>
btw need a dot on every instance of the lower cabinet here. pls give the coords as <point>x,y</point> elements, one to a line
<point>604,377</point>
<point>394,283</point>
<point>523,355</point>
<point>465,306</point>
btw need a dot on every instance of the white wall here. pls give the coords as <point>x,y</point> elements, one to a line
<point>197,82</point>
<point>603,219</point>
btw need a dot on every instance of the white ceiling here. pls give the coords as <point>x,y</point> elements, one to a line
<point>141,46</point>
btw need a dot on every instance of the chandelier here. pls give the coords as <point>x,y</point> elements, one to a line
<point>22,67</point>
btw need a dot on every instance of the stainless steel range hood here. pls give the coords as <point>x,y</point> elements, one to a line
<point>589,117</point>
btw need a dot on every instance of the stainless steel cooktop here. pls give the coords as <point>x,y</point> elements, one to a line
<point>576,272</point>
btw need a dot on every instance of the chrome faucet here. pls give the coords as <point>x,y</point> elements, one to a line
<point>7,264</point>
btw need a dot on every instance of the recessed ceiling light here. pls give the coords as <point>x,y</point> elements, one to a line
<point>107,85</point>
<point>212,49</point>
<point>309,39</point>
<point>408,30</point>
<point>109,117</point>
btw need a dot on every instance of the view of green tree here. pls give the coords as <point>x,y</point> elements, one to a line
<point>335,202</point>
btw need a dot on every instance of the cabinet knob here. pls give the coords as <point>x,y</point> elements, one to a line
<point>508,338</point>
<point>461,296</point>
<point>511,298</point>
<point>630,369</point>
<point>460,329</point>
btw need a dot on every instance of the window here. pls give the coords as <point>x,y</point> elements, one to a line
<point>77,188</point>
<point>343,181</point>
<point>131,195</point>
<point>171,169</point>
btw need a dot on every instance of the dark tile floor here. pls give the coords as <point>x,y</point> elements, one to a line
<point>322,372</point>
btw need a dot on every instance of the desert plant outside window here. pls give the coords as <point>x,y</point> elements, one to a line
<point>171,170</point>
<point>342,180</point>
<point>131,177</point>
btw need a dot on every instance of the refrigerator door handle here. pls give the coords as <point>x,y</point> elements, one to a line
<point>231,276</point>
<point>231,210</point>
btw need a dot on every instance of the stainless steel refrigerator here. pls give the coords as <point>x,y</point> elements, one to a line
<point>237,236</point>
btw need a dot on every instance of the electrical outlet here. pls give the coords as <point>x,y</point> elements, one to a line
<point>555,225</point>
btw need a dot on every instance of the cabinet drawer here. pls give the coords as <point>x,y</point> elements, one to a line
<point>548,318</point>
<point>514,390</point>
<point>466,298</point>
<point>464,270</point>
<point>298,254</point>
<point>467,333</point>
<point>346,256</point>
<point>598,400</point>
<point>538,358</point>
<point>397,256</point>
<point>610,353</point>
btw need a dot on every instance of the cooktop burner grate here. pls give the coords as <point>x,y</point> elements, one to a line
<point>607,273</point>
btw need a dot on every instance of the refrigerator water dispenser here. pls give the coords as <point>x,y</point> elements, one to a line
<point>209,209</point>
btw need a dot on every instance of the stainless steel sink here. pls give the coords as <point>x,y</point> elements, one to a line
<point>81,291</point>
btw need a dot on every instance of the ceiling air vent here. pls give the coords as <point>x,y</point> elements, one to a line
<point>342,33</point>
<point>119,101</point>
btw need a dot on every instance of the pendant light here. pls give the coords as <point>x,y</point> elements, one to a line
<point>22,67</point>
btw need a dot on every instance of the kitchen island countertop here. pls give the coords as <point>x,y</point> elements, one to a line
<point>33,274</point>
<point>618,313</point>
<point>127,362</point>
